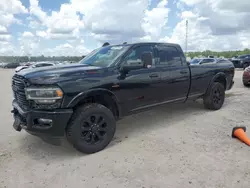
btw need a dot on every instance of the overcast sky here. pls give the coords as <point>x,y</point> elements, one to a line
<point>75,27</point>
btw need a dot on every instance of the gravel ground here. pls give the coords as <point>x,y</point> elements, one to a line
<point>177,146</point>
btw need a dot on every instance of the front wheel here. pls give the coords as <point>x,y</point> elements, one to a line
<point>91,128</point>
<point>215,96</point>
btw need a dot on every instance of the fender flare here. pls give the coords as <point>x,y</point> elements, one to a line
<point>93,92</point>
<point>220,74</point>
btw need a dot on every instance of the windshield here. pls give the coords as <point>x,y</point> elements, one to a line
<point>105,56</point>
<point>195,61</point>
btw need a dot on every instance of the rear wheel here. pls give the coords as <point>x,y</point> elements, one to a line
<point>91,128</point>
<point>215,96</point>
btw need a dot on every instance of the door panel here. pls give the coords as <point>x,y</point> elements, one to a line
<point>175,74</point>
<point>138,88</point>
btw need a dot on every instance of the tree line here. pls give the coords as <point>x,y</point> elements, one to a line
<point>23,59</point>
<point>225,54</point>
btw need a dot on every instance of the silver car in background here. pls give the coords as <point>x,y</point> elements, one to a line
<point>35,65</point>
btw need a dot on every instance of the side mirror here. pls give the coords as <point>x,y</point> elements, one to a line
<point>132,65</point>
<point>146,59</point>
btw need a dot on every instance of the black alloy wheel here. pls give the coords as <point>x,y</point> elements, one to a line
<point>91,128</point>
<point>94,128</point>
<point>215,96</point>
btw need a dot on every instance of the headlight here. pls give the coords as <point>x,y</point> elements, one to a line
<point>44,95</point>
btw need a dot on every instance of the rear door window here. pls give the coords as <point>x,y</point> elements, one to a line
<point>169,56</point>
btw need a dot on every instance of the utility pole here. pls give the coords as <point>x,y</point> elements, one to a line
<point>186,36</point>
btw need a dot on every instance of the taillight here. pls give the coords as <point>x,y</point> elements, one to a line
<point>246,72</point>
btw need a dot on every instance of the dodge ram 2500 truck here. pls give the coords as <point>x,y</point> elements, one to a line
<point>83,101</point>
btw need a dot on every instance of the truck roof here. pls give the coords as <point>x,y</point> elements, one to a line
<point>140,43</point>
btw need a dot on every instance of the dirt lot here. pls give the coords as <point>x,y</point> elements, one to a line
<point>176,146</point>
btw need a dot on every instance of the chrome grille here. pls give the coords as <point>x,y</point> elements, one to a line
<point>18,87</point>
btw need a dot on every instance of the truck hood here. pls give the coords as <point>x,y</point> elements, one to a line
<point>55,74</point>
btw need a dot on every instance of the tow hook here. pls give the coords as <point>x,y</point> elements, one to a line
<point>14,111</point>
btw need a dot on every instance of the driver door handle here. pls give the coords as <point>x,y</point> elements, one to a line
<point>154,75</point>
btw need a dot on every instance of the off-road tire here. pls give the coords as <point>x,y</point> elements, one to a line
<point>214,97</point>
<point>79,122</point>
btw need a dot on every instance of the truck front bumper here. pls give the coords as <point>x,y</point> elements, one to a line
<point>50,123</point>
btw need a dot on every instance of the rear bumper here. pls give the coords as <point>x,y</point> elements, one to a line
<point>40,122</point>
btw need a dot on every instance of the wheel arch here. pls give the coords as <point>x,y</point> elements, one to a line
<point>219,77</point>
<point>101,96</point>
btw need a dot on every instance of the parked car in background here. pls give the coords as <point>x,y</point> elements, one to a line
<point>241,61</point>
<point>246,76</point>
<point>35,65</point>
<point>19,68</point>
<point>83,101</point>
<point>2,65</point>
<point>200,61</point>
<point>210,56</point>
<point>11,65</point>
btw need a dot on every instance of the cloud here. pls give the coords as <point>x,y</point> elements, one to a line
<point>241,6</point>
<point>155,20</point>
<point>42,34</point>
<point>12,7</point>
<point>115,21</point>
<point>213,24</point>
<point>65,22</point>
<point>3,30</point>
<point>36,10</point>
<point>7,19</point>
<point>27,34</point>
<point>29,43</point>
<point>66,50</point>
<point>219,12</point>
<point>6,48</point>
<point>5,37</point>
<point>49,35</point>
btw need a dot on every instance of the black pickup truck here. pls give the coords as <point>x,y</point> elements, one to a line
<point>83,101</point>
<point>242,61</point>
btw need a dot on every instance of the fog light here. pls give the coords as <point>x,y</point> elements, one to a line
<point>45,101</point>
<point>44,121</point>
